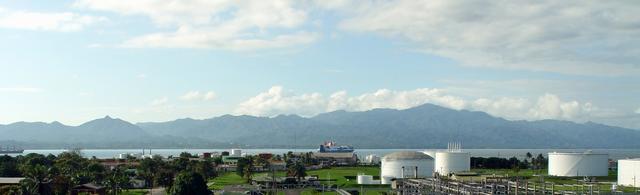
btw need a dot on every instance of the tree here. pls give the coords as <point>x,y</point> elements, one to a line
<point>189,183</point>
<point>36,180</point>
<point>164,177</point>
<point>205,168</point>
<point>117,180</point>
<point>147,169</point>
<point>529,157</point>
<point>8,167</point>
<point>245,167</point>
<point>186,155</point>
<point>297,170</point>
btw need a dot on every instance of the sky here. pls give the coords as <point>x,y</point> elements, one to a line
<point>149,60</point>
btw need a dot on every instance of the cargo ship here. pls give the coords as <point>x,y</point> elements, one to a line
<point>10,150</point>
<point>330,146</point>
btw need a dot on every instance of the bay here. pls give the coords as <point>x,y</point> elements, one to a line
<point>614,154</point>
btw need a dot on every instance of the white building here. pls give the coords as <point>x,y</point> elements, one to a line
<point>372,159</point>
<point>578,164</point>
<point>629,172</point>
<point>235,152</point>
<point>406,164</point>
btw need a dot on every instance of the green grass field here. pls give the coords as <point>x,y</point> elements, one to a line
<point>134,192</point>
<point>337,174</point>
<point>229,178</point>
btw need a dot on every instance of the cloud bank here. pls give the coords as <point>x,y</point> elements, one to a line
<point>571,37</point>
<point>46,21</point>
<point>226,24</point>
<point>277,101</point>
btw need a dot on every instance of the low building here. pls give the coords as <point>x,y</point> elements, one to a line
<point>89,188</point>
<point>336,158</point>
<point>10,181</point>
<point>226,168</point>
<point>114,163</point>
<point>231,160</point>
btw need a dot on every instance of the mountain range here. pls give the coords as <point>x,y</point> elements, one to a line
<point>425,126</point>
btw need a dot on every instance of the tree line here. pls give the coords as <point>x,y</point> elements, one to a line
<point>538,162</point>
<point>50,174</point>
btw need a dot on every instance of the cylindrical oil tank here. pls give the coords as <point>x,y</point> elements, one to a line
<point>365,179</point>
<point>629,172</point>
<point>578,164</point>
<point>431,153</point>
<point>406,164</point>
<point>372,159</point>
<point>452,162</point>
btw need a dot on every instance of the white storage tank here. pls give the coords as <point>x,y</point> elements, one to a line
<point>629,172</point>
<point>452,161</point>
<point>431,153</point>
<point>365,179</point>
<point>123,156</point>
<point>406,164</point>
<point>578,164</point>
<point>235,152</point>
<point>372,159</point>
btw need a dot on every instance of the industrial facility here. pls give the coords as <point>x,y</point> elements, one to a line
<point>372,159</point>
<point>572,164</point>
<point>629,172</point>
<point>406,164</point>
<point>453,160</point>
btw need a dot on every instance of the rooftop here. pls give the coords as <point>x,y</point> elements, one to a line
<point>406,155</point>
<point>10,180</point>
<point>334,154</point>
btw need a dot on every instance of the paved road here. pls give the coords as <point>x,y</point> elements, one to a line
<point>158,191</point>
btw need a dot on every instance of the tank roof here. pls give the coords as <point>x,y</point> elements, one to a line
<point>588,152</point>
<point>631,159</point>
<point>406,155</point>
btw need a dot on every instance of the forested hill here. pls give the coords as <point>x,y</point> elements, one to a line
<point>426,126</point>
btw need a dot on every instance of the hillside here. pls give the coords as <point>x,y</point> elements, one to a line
<point>426,126</point>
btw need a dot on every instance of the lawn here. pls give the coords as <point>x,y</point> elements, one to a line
<point>134,192</point>
<point>344,176</point>
<point>229,178</point>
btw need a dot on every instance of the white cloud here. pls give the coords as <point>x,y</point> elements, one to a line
<point>572,37</point>
<point>209,96</point>
<point>159,102</point>
<point>232,25</point>
<point>547,106</point>
<point>141,76</point>
<point>638,111</point>
<point>278,101</point>
<point>21,89</point>
<point>197,95</point>
<point>46,21</point>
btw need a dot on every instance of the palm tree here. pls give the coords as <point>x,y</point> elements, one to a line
<point>297,170</point>
<point>529,157</point>
<point>248,168</point>
<point>37,180</point>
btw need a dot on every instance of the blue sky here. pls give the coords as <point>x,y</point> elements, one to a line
<point>148,60</point>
